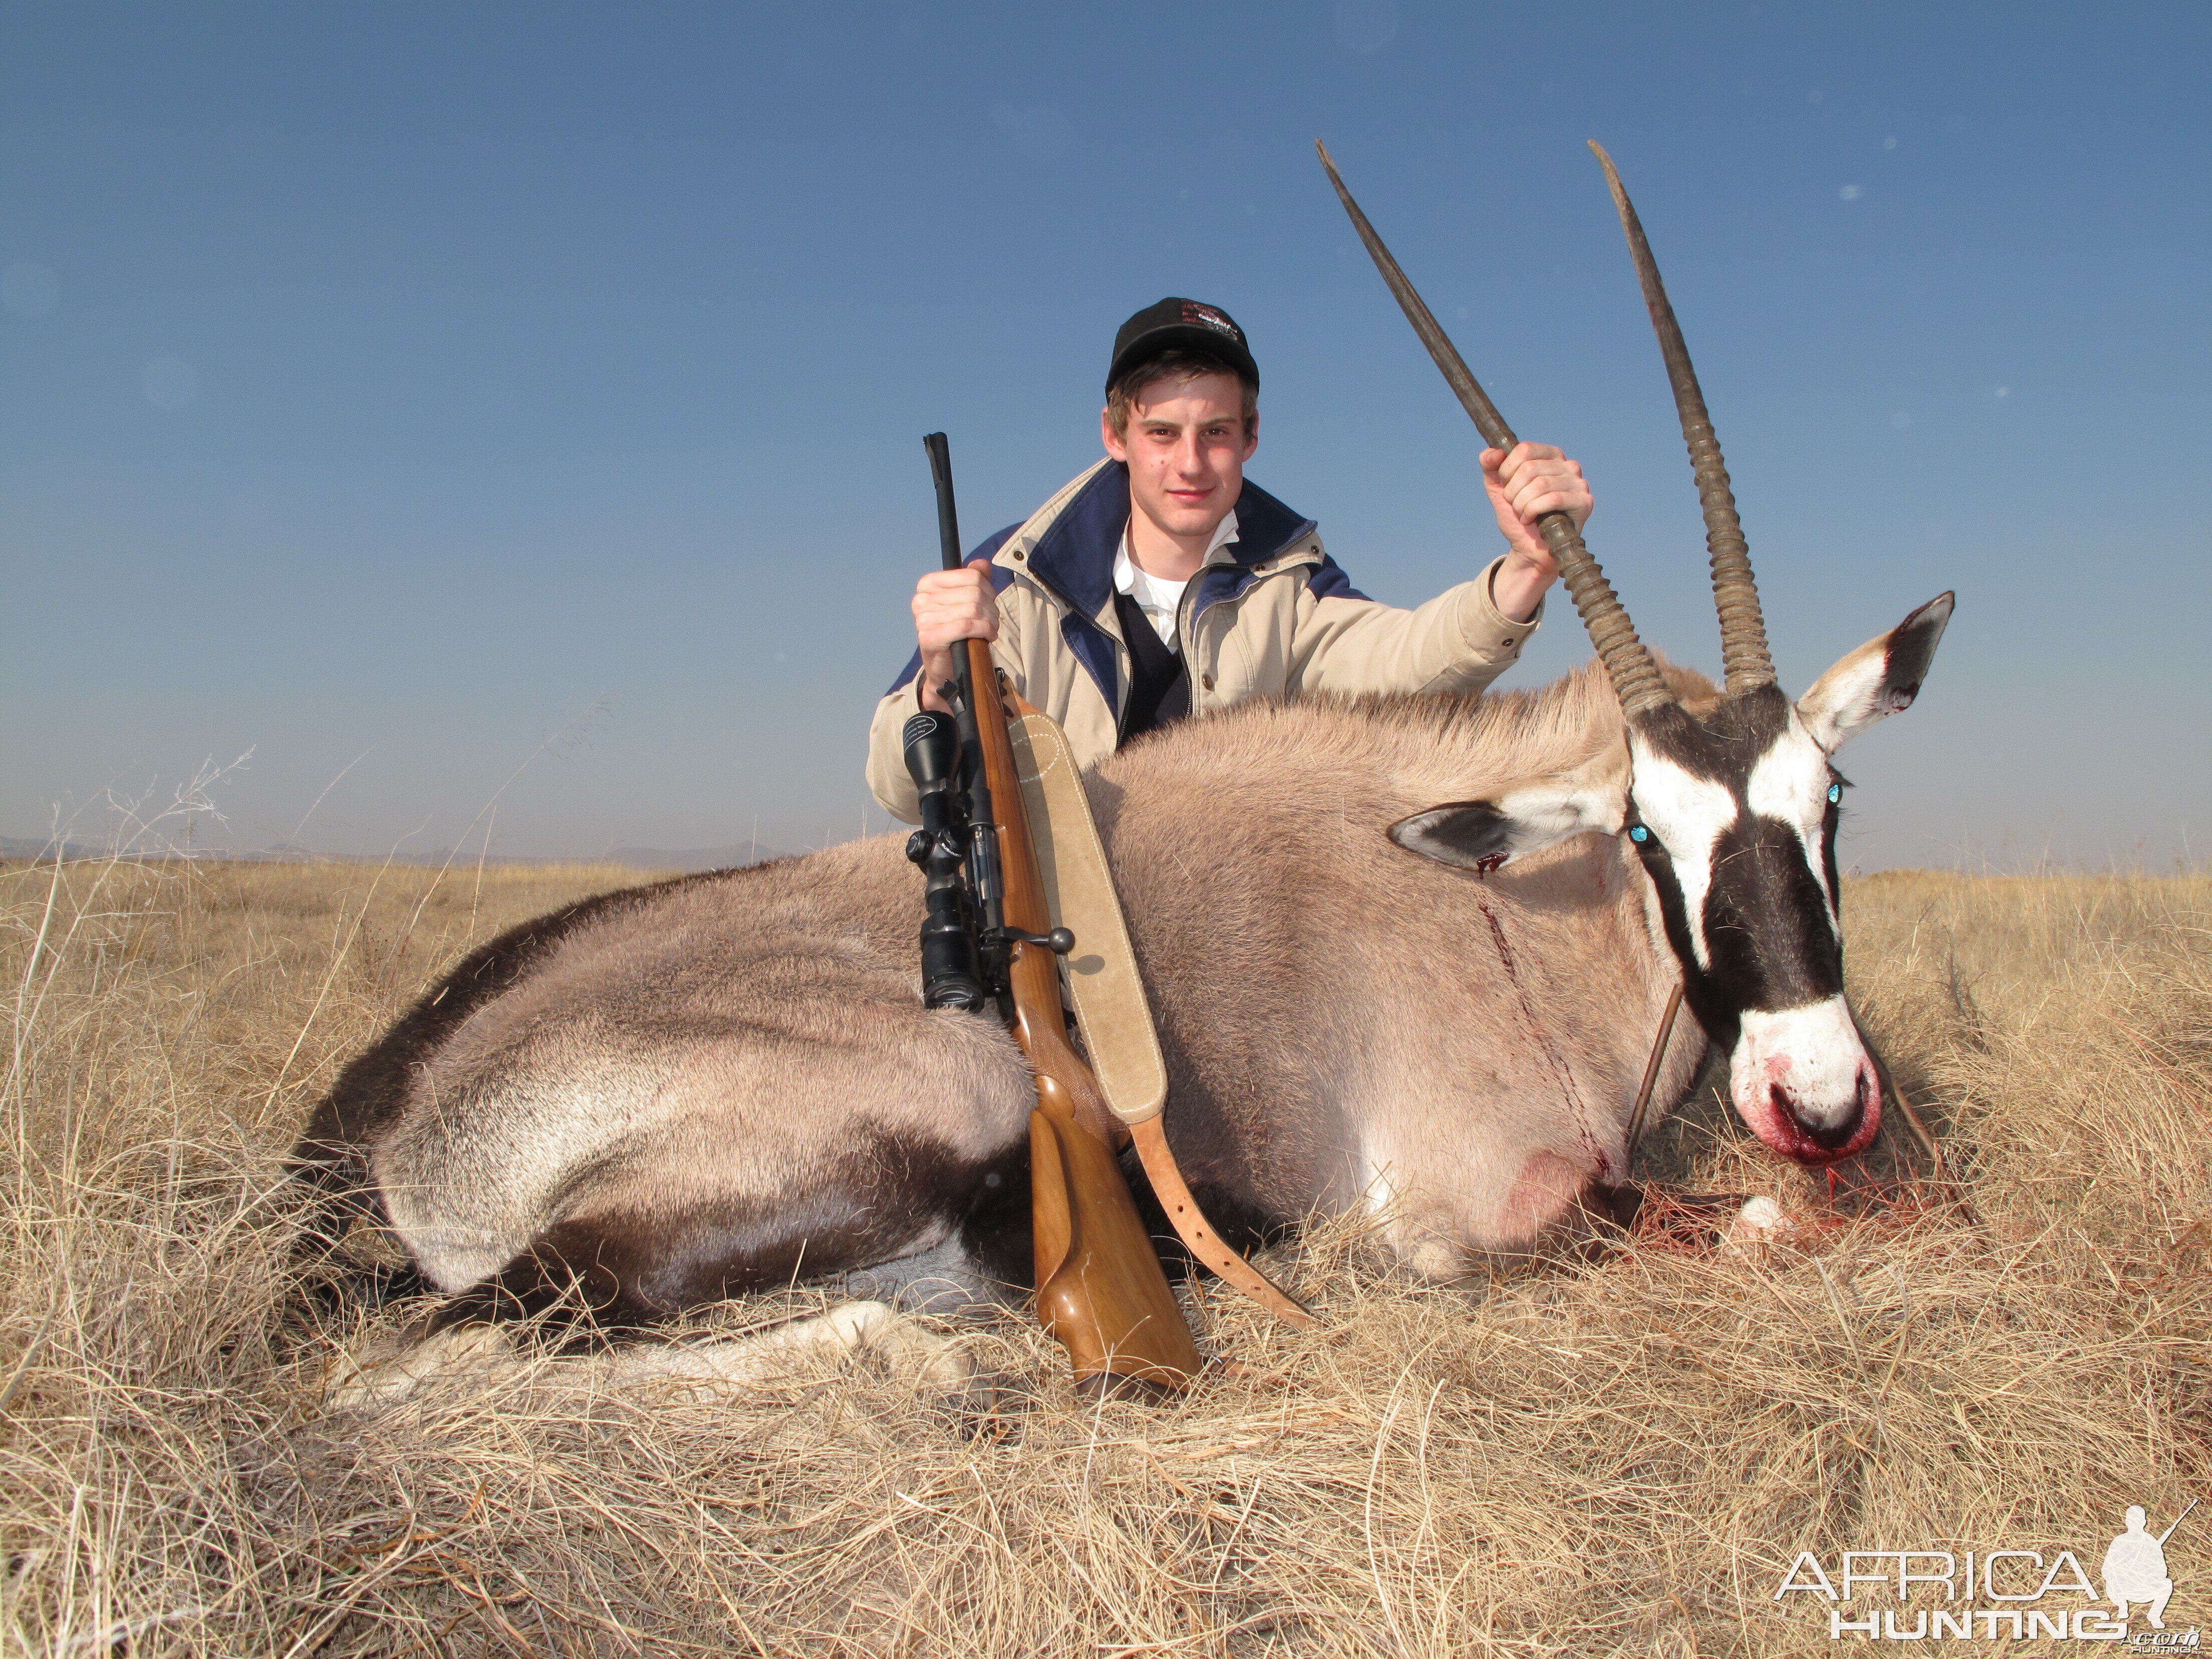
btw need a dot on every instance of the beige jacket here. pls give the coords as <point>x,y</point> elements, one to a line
<point>1269,614</point>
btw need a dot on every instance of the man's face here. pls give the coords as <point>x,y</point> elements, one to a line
<point>1186,449</point>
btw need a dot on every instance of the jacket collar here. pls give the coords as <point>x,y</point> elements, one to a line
<point>1074,556</point>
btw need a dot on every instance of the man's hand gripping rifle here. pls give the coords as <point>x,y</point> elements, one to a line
<point>988,939</point>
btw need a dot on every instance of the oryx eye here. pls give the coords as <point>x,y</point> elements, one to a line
<point>1639,833</point>
<point>1835,794</point>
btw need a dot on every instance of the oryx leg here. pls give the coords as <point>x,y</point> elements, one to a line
<point>481,1355</point>
<point>896,1220</point>
<point>587,1190</point>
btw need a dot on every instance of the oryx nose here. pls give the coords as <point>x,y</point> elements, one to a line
<point>1840,1127</point>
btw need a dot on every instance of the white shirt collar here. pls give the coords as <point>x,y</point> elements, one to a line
<point>1158,599</point>
<point>1126,571</point>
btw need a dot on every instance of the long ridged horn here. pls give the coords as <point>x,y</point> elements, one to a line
<point>1744,656</point>
<point>1635,676</point>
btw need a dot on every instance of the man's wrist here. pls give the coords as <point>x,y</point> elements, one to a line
<point>1517,585</point>
<point>927,679</point>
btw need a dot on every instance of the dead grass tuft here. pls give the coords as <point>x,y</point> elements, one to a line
<point>1609,1458</point>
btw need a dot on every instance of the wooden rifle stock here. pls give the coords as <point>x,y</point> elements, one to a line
<point>1101,1292</point>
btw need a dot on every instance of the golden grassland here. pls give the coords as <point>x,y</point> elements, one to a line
<point>1621,1455</point>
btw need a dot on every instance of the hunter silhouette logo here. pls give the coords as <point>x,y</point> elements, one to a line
<point>2135,1567</point>
<point>2028,1592</point>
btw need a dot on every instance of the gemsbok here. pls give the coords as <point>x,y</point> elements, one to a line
<point>1406,954</point>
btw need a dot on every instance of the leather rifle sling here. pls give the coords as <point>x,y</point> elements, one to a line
<point>1122,1045</point>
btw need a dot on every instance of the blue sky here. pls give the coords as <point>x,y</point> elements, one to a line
<point>521,404</point>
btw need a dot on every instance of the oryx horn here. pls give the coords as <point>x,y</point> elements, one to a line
<point>1635,676</point>
<point>1744,656</point>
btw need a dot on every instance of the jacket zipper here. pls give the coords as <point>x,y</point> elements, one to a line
<point>1189,635</point>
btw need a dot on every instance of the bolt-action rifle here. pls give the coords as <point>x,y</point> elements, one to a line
<point>988,942</point>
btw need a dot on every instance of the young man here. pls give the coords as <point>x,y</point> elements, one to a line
<point>1160,584</point>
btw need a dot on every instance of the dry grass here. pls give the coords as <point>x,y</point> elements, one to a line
<point>1610,1458</point>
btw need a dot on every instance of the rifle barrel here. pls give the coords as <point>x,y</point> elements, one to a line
<point>948,514</point>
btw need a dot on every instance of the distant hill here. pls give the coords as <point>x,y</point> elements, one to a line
<point>22,846</point>
<point>687,859</point>
<point>690,859</point>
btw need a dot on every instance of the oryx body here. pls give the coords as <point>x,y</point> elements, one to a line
<point>718,1083</point>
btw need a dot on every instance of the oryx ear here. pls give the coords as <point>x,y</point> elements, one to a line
<point>1882,677</point>
<point>1522,818</point>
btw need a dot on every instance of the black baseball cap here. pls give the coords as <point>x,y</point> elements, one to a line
<point>1182,325</point>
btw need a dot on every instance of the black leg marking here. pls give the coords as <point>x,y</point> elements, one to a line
<point>602,1276</point>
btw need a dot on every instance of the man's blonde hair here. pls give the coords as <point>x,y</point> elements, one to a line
<point>1178,365</point>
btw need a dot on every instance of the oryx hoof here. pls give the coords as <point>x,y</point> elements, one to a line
<point>459,1351</point>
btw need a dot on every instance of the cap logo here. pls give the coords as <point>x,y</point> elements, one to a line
<point>1207,317</point>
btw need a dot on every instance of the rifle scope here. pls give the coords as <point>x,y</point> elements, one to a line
<point>949,975</point>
